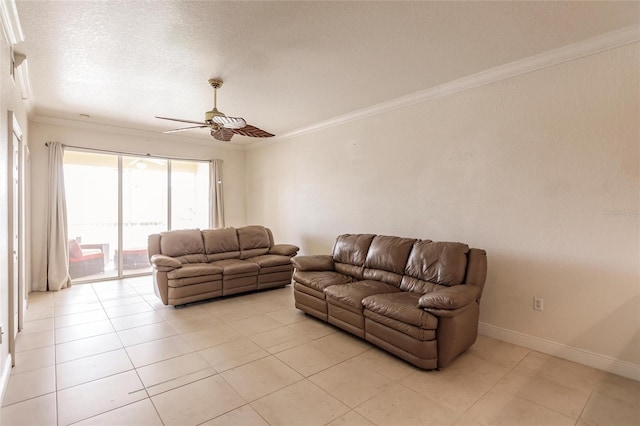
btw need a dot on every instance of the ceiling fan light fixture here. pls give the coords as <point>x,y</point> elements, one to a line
<point>221,127</point>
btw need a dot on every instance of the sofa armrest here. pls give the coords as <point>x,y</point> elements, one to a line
<point>313,263</point>
<point>449,299</point>
<point>284,249</point>
<point>162,261</point>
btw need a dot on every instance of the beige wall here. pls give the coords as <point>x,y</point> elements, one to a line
<point>233,172</point>
<point>528,168</point>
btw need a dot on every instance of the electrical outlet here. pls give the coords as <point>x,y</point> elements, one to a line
<point>538,304</point>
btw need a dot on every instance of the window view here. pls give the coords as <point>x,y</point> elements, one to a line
<point>189,194</point>
<point>103,246</point>
<point>144,209</point>
<point>91,186</point>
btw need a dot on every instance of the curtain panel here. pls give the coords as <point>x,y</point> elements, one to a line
<point>57,244</point>
<point>216,198</point>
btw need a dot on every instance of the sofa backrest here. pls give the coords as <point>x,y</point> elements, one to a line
<point>433,264</point>
<point>186,245</point>
<point>196,246</point>
<point>221,244</point>
<point>350,253</point>
<point>254,240</point>
<point>476,273</point>
<point>386,259</point>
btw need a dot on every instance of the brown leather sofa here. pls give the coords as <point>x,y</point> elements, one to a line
<point>192,265</point>
<point>417,299</point>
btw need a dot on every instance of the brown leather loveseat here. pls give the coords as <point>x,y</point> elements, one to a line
<point>191,265</point>
<point>417,299</point>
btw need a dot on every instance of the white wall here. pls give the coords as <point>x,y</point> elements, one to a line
<point>527,168</point>
<point>10,100</point>
<point>112,139</point>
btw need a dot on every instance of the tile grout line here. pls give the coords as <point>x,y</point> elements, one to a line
<point>593,390</point>
<point>131,361</point>
<point>539,404</point>
<point>123,348</point>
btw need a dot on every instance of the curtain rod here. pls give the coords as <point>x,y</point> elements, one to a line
<point>136,154</point>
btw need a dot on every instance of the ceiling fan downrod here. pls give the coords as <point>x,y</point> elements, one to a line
<point>216,84</point>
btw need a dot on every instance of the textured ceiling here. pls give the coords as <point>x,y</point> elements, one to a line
<point>285,65</point>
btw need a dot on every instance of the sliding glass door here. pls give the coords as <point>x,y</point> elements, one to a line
<point>91,186</point>
<point>114,202</point>
<point>144,209</point>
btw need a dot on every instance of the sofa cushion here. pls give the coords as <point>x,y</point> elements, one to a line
<point>402,306</point>
<point>194,270</point>
<point>181,243</point>
<point>389,253</point>
<point>74,249</point>
<point>418,286</point>
<point>384,323</point>
<point>253,237</point>
<point>236,266</point>
<point>355,272</point>
<point>84,257</point>
<point>352,294</point>
<point>438,262</point>
<point>268,260</point>
<point>319,280</point>
<point>352,248</point>
<point>220,240</point>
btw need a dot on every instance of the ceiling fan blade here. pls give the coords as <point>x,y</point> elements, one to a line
<point>202,123</point>
<point>229,122</point>
<point>186,128</point>
<point>222,134</point>
<point>252,131</point>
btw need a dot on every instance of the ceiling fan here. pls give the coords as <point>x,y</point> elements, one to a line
<point>222,127</point>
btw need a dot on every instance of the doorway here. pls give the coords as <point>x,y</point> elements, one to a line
<point>17,233</point>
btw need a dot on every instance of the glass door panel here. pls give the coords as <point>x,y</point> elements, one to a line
<point>189,194</point>
<point>91,186</point>
<point>115,202</point>
<point>144,209</point>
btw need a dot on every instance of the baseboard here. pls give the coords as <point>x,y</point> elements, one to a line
<point>602,362</point>
<point>4,378</point>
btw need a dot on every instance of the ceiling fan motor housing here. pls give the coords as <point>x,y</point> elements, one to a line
<point>208,116</point>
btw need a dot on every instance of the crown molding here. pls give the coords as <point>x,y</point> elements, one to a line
<point>10,22</point>
<point>547,59</point>
<point>148,134</point>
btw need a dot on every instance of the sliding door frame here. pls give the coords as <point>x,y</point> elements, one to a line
<point>119,267</point>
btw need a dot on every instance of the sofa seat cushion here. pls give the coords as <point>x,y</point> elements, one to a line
<point>236,266</point>
<point>352,294</point>
<point>268,260</point>
<point>87,256</point>
<point>402,306</point>
<point>319,280</point>
<point>380,325</point>
<point>194,270</point>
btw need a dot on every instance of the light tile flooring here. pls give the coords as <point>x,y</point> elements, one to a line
<point>111,354</point>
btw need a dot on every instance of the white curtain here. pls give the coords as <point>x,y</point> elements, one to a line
<point>216,198</point>
<point>57,244</point>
